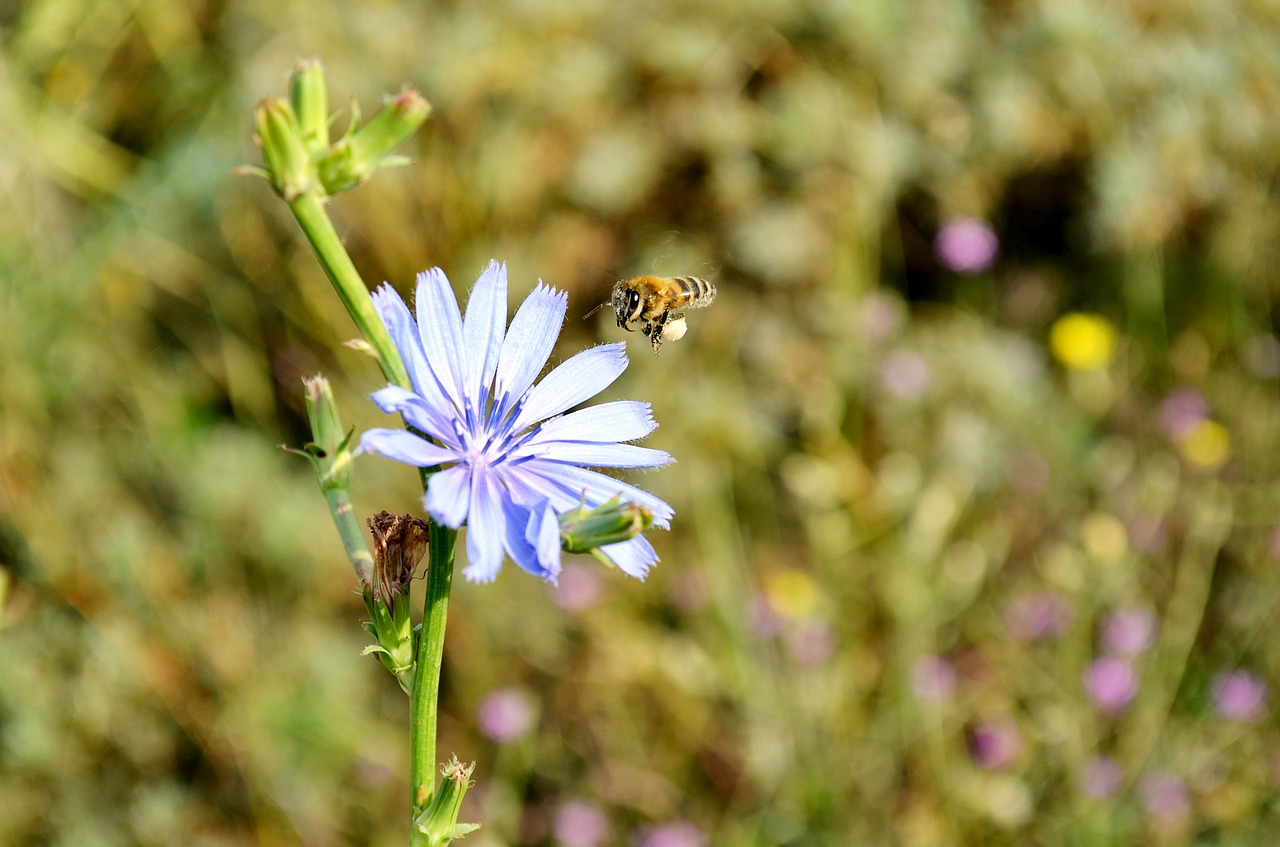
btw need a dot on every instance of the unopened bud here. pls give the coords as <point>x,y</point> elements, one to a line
<point>359,153</point>
<point>283,151</point>
<point>439,821</point>
<point>310,104</point>
<point>582,529</point>
<point>329,450</point>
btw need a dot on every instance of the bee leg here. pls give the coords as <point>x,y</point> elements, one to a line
<point>658,325</point>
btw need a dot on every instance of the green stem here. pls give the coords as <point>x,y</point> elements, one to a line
<point>309,210</point>
<point>426,685</point>
<point>349,529</point>
<point>423,702</point>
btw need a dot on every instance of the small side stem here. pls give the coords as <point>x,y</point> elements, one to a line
<point>426,687</point>
<point>352,534</point>
<point>309,211</point>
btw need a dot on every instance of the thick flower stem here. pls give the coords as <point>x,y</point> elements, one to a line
<point>308,208</point>
<point>426,686</point>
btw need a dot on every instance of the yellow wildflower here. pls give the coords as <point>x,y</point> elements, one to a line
<point>1104,536</point>
<point>1082,342</point>
<point>791,593</point>
<point>1208,445</point>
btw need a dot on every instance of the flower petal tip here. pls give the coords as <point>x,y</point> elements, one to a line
<point>386,297</point>
<point>478,575</point>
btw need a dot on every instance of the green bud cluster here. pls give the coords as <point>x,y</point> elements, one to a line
<point>294,136</point>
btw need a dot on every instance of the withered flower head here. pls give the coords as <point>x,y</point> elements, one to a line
<point>399,542</point>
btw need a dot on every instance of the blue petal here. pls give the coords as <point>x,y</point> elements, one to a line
<point>621,420</point>
<point>448,495</point>
<point>482,328</point>
<point>578,379</point>
<point>533,492</point>
<point>634,557</point>
<point>405,447</point>
<point>569,483</point>
<point>599,455</point>
<point>528,343</point>
<point>486,530</point>
<point>419,414</point>
<point>522,549</point>
<point>404,334</point>
<point>440,330</point>
<point>518,502</point>
<point>543,533</point>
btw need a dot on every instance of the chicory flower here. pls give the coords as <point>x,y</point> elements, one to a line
<point>511,461</point>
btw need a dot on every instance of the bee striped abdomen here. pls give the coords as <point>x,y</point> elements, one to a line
<point>694,292</point>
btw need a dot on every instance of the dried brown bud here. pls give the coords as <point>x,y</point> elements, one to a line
<point>399,542</point>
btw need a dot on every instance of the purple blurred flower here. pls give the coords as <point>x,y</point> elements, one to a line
<point>966,245</point>
<point>506,715</point>
<point>995,744</point>
<point>1239,696</point>
<point>513,459</point>
<point>904,373</point>
<point>674,834</point>
<point>1164,796</point>
<point>1102,777</point>
<point>1129,631</point>
<point>1273,546</point>
<point>810,642</point>
<point>933,679</point>
<point>1043,615</point>
<point>1181,410</point>
<point>1111,683</point>
<point>578,588</point>
<point>579,824</point>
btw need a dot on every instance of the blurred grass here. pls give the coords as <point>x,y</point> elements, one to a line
<point>180,639</point>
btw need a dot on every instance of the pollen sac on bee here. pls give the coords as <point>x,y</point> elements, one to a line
<point>674,329</point>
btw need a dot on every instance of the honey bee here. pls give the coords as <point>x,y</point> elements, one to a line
<point>659,303</point>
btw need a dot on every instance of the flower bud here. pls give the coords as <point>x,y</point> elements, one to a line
<point>310,104</point>
<point>439,821</point>
<point>360,152</point>
<point>329,450</point>
<point>288,164</point>
<point>582,530</point>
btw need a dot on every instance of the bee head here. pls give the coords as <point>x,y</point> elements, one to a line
<point>626,305</point>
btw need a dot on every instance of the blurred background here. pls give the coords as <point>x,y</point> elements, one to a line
<point>976,488</point>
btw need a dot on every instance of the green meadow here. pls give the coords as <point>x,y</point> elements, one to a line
<point>976,483</point>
